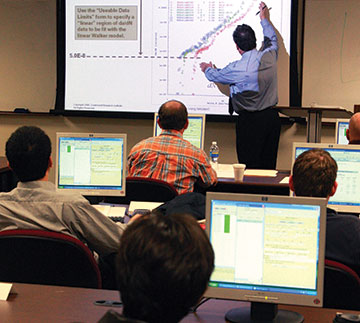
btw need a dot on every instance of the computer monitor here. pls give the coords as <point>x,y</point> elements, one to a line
<point>269,250</point>
<point>194,133</point>
<point>340,131</point>
<point>347,157</point>
<point>91,163</point>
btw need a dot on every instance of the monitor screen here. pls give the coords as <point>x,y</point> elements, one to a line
<point>132,56</point>
<point>194,133</point>
<point>268,249</point>
<point>91,163</point>
<point>347,157</point>
<point>340,131</point>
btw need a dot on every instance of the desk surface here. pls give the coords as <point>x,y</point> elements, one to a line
<point>39,303</point>
<point>333,113</point>
<point>254,185</point>
<point>263,180</point>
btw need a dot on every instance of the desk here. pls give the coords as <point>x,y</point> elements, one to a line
<point>8,179</point>
<point>314,116</point>
<point>214,311</point>
<point>254,185</point>
<point>39,303</point>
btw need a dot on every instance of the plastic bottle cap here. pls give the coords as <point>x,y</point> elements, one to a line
<point>214,143</point>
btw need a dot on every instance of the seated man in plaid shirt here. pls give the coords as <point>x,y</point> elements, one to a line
<point>169,157</point>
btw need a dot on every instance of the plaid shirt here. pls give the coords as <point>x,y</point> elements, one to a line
<point>171,158</point>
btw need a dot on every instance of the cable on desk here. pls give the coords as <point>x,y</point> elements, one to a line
<point>204,300</point>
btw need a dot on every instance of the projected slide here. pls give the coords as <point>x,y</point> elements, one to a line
<point>132,55</point>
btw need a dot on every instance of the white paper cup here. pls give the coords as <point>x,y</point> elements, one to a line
<point>239,170</point>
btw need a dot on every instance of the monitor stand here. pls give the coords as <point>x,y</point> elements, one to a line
<point>262,313</point>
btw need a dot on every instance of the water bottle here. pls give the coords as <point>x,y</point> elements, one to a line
<point>214,152</point>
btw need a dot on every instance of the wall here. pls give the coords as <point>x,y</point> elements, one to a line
<point>28,54</point>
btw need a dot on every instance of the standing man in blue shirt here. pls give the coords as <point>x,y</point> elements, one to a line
<point>253,93</point>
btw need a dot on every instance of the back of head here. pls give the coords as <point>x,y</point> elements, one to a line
<point>163,267</point>
<point>173,115</point>
<point>28,151</point>
<point>314,173</point>
<point>244,37</point>
<point>354,127</point>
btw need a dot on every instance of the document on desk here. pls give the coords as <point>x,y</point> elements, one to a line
<point>227,171</point>
<point>285,180</point>
<point>261,172</point>
<point>111,210</point>
<point>141,205</point>
<point>5,289</point>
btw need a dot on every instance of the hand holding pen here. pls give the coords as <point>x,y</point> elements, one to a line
<point>264,11</point>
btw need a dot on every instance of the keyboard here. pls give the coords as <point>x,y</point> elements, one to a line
<point>120,219</point>
<point>115,213</point>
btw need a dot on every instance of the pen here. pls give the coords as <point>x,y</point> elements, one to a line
<point>263,8</point>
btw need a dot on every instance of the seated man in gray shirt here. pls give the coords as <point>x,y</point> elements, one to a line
<point>35,204</point>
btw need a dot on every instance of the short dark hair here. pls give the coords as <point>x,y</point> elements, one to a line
<point>28,151</point>
<point>163,267</point>
<point>173,115</point>
<point>244,37</point>
<point>314,173</point>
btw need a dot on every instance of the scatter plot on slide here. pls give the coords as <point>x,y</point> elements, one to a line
<point>200,31</point>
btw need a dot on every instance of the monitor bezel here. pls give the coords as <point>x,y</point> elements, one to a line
<point>337,122</point>
<point>92,191</point>
<point>272,297</point>
<point>337,207</point>
<point>191,115</point>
